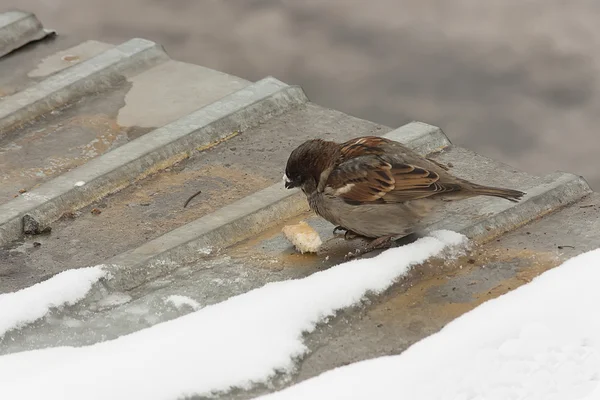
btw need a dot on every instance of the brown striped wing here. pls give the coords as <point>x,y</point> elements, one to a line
<point>371,179</point>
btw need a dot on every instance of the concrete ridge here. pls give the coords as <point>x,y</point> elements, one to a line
<point>147,154</point>
<point>421,137</point>
<point>265,209</point>
<point>555,191</point>
<point>237,221</point>
<point>93,75</point>
<point>17,28</point>
<point>269,207</point>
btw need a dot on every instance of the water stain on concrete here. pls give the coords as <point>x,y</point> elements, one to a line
<point>171,90</point>
<point>61,140</point>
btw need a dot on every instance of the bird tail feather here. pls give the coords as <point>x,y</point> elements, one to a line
<point>508,194</point>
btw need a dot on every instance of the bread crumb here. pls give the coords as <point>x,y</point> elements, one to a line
<point>304,238</point>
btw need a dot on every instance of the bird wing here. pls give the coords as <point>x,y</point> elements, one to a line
<point>372,179</point>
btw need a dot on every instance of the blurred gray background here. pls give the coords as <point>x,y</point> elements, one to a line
<point>515,80</point>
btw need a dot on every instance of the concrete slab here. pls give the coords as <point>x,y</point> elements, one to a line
<point>68,138</point>
<point>15,67</point>
<point>480,219</point>
<point>235,222</point>
<point>17,28</point>
<point>228,241</point>
<point>227,172</point>
<point>435,294</point>
<point>61,141</point>
<point>146,155</point>
<point>431,296</point>
<point>473,217</point>
<point>171,90</point>
<point>94,75</point>
<point>140,266</point>
<point>68,57</point>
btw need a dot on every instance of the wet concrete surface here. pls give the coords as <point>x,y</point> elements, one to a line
<point>510,80</point>
<point>434,294</point>
<point>122,109</point>
<point>492,93</point>
<point>63,140</point>
<point>431,295</point>
<point>420,304</point>
<point>424,301</point>
<point>235,168</point>
<point>16,67</point>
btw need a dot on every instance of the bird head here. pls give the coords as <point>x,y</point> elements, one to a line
<point>307,161</point>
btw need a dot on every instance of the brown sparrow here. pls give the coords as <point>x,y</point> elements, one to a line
<point>375,187</point>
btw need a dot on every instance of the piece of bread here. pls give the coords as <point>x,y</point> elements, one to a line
<point>304,238</point>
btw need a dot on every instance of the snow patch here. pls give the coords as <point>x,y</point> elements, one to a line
<point>538,342</point>
<point>235,343</point>
<point>205,250</point>
<point>20,308</point>
<point>180,302</point>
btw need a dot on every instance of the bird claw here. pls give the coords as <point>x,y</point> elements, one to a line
<point>348,234</point>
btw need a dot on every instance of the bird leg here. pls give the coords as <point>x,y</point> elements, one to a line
<point>383,242</point>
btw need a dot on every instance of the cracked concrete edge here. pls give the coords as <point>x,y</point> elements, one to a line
<point>17,28</point>
<point>236,222</point>
<point>556,191</point>
<point>148,154</point>
<point>90,76</point>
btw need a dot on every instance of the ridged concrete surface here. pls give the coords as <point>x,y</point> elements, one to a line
<point>100,145</point>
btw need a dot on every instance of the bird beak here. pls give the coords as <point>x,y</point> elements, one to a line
<point>287,182</point>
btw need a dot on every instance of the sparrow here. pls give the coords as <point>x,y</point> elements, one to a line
<point>377,188</point>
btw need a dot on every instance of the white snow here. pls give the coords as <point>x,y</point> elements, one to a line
<point>540,341</point>
<point>205,250</point>
<point>180,302</point>
<point>30,304</point>
<point>244,339</point>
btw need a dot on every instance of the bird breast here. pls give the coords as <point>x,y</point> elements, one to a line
<point>374,220</point>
